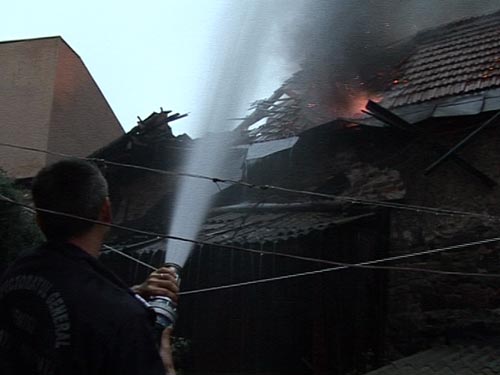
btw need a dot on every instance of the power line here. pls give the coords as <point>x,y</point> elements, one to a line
<point>123,254</point>
<point>352,200</point>
<point>339,266</point>
<point>162,235</point>
<point>231,247</point>
<point>367,264</point>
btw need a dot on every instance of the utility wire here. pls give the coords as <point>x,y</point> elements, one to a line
<point>368,264</point>
<point>342,265</point>
<point>339,266</point>
<point>352,200</point>
<point>162,235</point>
<point>389,268</point>
<point>130,257</point>
<point>365,265</point>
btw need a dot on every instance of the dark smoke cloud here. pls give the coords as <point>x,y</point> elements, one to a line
<point>345,45</point>
<point>349,36</point>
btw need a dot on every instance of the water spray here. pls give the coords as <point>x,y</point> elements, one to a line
<point>234,72</point>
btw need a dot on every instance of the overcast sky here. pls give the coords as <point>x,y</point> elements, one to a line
<point>151,54</point>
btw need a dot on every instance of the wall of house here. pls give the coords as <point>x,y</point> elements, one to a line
<point>81,119</point>
<point>429,308</point>
<point>26,86</point>
<point>48,100</point>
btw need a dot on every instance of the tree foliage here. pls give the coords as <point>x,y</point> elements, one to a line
<point>17,226</point>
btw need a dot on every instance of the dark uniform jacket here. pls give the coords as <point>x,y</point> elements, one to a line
<point>63,312</point>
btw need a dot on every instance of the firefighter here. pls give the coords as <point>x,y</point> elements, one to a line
<point>61,310</point>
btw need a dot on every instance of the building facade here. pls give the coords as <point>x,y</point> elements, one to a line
<point>49,101</point>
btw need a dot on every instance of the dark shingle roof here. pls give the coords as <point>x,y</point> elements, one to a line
<point>466,359</point>
<point>236,227</point>
<point>257,227</point>
<point>458,58</point>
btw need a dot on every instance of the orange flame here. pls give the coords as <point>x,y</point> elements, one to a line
<point>356,104</point>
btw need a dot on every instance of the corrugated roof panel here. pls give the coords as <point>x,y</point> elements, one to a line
<point>460,107</point>
<point>262,149</point>
<point>491,104</point>
<point>456,105</point>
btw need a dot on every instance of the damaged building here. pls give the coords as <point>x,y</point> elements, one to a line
<point>397,171</point>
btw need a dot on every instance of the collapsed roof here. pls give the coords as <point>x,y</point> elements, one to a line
<point>452,70</point>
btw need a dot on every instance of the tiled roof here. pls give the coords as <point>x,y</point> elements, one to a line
<point>458,58</point>
<point>260,227</point>
<point>257,227</point>
<point>464,359</point>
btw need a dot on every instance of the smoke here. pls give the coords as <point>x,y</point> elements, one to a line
<point>348,36</point>
<point>345,44</point>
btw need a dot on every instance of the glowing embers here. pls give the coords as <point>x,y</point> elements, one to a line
<point>350,101</point>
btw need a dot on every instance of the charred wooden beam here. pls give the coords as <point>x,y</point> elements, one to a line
<point>388,117</point>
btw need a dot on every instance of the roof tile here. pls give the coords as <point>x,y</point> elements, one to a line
<point>457,58</point>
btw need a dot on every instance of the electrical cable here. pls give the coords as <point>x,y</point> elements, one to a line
<point>339,266</point>
<point>161,235</point>
<point>130,257</point>
<point>352,200</point>
<point>367,264</point>
<point>239,248</point>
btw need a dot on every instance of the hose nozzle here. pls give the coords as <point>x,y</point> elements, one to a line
<point>164,307</point>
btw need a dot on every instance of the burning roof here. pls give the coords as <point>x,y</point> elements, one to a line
<point>454,70</point>
<point>451,70</point>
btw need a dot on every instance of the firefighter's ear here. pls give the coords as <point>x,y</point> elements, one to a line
<point>105,214</point>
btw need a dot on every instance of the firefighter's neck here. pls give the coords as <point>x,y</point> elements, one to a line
<point>90,242</point>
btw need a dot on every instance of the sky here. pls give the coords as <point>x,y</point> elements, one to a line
<point>156,53</point>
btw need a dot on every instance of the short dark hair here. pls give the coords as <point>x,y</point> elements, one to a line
<point>71,186</point>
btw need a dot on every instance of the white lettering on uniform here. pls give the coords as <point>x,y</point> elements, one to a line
<point>54,302</point>
<point>60,318</point>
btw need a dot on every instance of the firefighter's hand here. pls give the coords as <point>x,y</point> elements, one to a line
<point>166,352</point>
<point>161,282</point>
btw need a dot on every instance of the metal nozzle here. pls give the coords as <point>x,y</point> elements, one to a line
<point>164,307</point>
